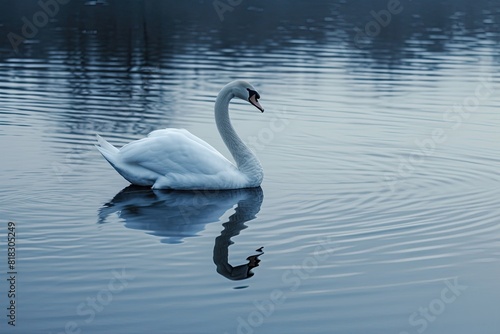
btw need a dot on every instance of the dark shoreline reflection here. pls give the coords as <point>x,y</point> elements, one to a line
<point>175,215</point>
<point>148,34</point>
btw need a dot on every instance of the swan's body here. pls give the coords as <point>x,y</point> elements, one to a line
<point>177,159</point>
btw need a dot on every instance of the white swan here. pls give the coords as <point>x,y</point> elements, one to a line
<point>177,159</point>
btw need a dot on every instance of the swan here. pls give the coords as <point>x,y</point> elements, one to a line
<point>176,159</point>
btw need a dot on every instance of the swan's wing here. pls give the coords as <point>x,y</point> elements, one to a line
<point>173,151</point>
<point>187,134</point>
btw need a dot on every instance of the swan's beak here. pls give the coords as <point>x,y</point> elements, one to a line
<point>253,100</point>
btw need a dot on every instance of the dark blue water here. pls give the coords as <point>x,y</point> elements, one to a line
<point>380,145</point>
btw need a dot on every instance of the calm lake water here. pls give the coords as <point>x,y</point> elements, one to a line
<point>379,211</point>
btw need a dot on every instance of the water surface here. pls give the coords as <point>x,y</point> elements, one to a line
<point>380,204</point>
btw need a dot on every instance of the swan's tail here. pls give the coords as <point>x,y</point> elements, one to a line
<point>107,150</point>
<point>105,145</point>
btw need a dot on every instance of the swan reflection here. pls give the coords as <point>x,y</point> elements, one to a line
<point>176,215</point>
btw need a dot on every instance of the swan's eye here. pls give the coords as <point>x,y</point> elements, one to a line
<point>252,93</point>
<point>253,98</point>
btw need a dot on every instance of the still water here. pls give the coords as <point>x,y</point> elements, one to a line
<point>379,211</point>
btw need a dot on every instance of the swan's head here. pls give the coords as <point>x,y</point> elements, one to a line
<point>246,92</point>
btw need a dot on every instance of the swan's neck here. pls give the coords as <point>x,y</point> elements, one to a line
<point>245,160</point>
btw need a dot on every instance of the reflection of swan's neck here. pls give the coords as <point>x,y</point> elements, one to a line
<point>246,161</point>
<point>245,211</point>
